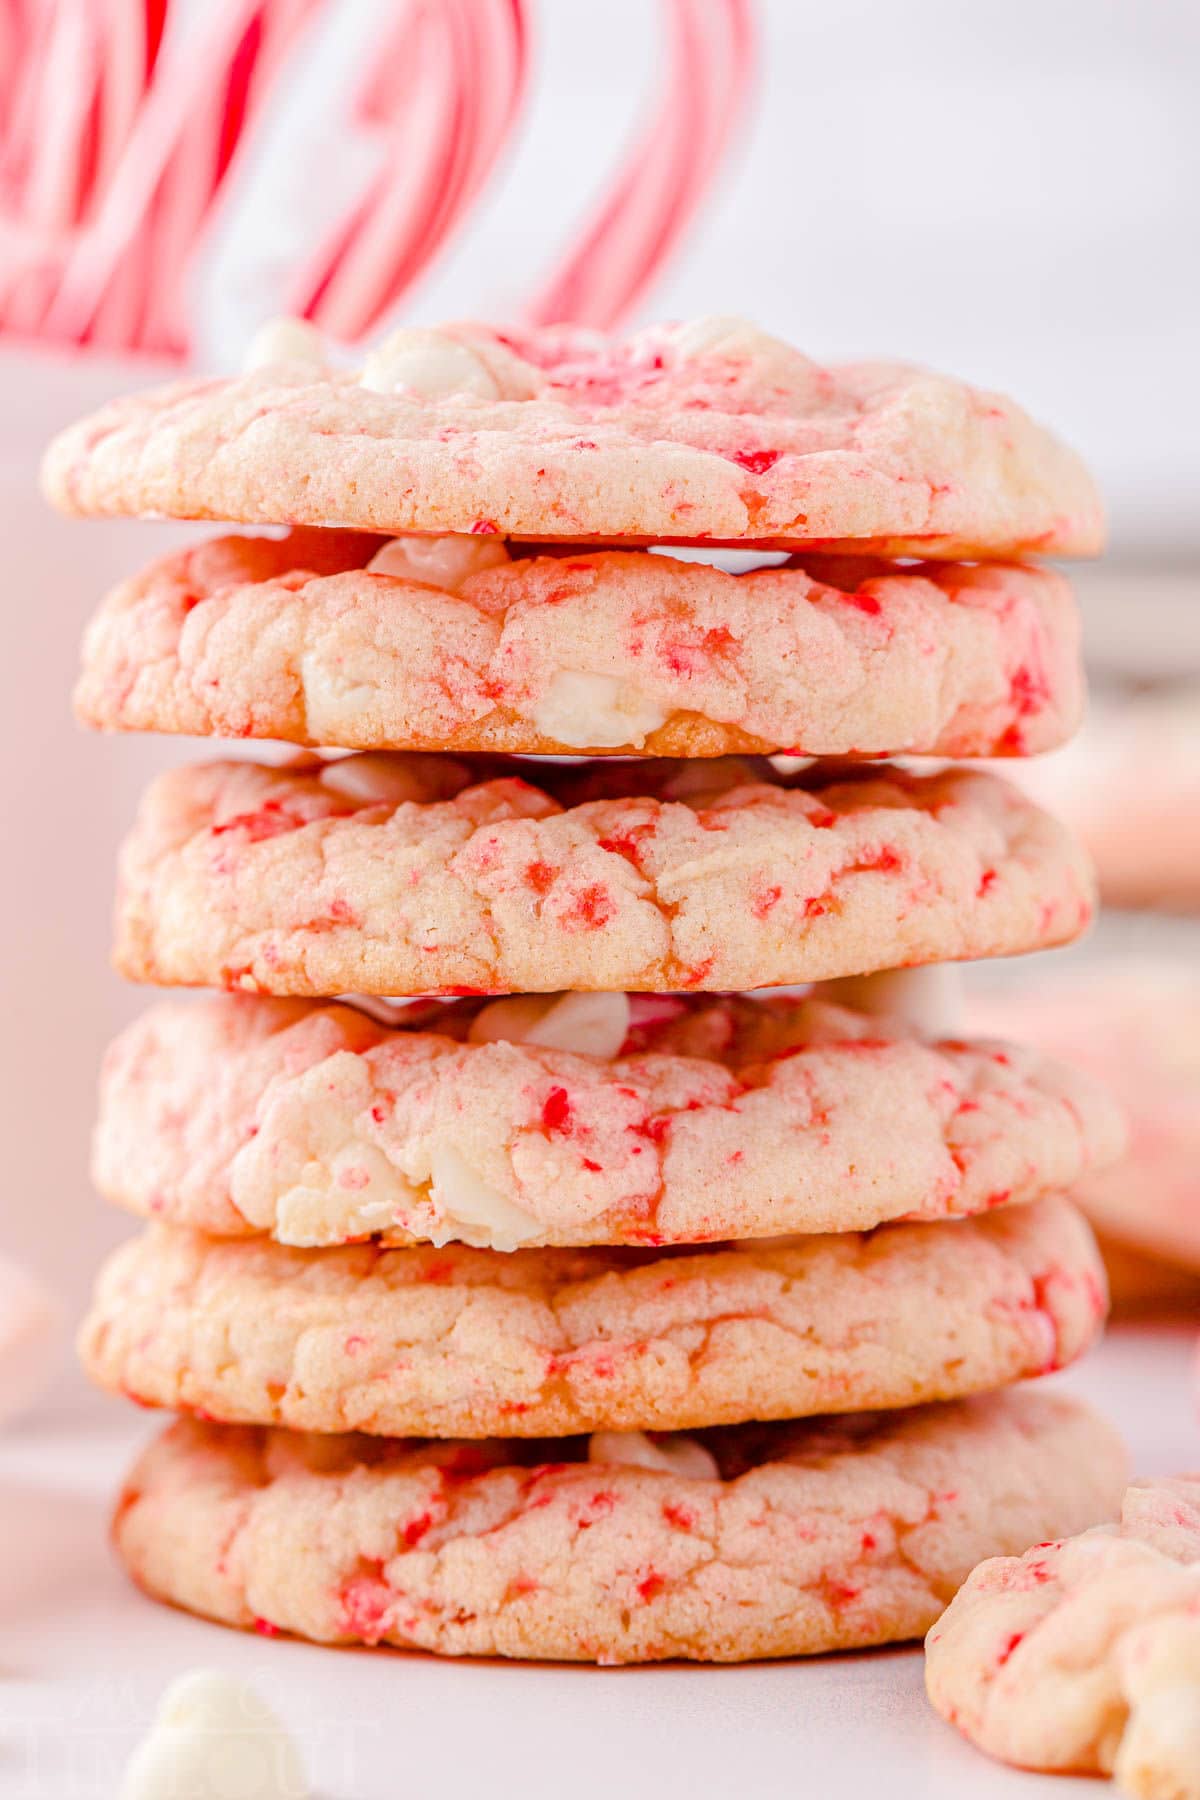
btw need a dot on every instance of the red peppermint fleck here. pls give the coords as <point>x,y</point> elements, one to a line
<point>271,819</point>
<point>1008,1648</point>
<point>365,1603</point>
<point>655,1129</point>
<point>556,1111</point>
<point>485,528</point>
<point>864,603</point>
<point>681,1517</point>
<point>627,843</point>
<point>592,907</point>
<point>763,901</point>
<point>599,1505</point>
<point>1028,689</point>
<point>416,1528</point>
<point>540,876</point>
<point>755,462</point>
<point>652,1583</point>
<point>719,638</point>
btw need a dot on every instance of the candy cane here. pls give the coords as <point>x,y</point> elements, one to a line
<point>665,175</point>
<point>180,93</point>
<point>447,87</point>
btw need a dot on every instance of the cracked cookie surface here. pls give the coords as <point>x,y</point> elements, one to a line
<point>705,431</point>
<point>701,1119</point>
<point>408,874</point>
<point>816,1537</point>
<point>473,1343</point>
<point>300,639</point>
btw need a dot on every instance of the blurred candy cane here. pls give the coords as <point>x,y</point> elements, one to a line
<point>212,82</point>
<point>116,153</point>
<point>666,173</point>
<point>80,75</point>
<point>445,91</point>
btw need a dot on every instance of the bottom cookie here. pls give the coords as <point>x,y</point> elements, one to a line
<point>751,1541</point>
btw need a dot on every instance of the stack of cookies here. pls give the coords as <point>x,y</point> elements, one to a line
<point>591,1306</point>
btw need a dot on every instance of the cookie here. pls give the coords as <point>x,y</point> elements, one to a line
<point>447,644</point>
<point>403,875</point>
<point>1085,1655</point>
<point>814,1537</point>
<point>1139,833</point>
<point>575,1119</point>
<point>705,431</point>
<point>471,1343</point>
<point>1133,1023</point>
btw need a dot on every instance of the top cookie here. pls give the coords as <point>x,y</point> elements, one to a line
<point>707,431</point>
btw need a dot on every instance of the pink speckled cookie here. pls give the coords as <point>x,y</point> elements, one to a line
<point>1085,1655</point>
<point>449,645</point>
<point>471,1343</point>
<point>710,430</point>
<point>1133,1022</point>
<point>403,875</point>
<point>803,1538</point>
<point>1144,836</point>
<point>582,1119</point>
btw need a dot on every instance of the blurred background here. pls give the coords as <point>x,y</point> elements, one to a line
<point>1006,190</point>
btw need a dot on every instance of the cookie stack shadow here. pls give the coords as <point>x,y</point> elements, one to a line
<point>591,1306</point>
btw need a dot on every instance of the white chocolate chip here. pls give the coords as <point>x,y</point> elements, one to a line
<point>377,779</point>
<point>1159,1669</point>
<point>214,1739</point>
<point>672,1454</point>
<point>508,1021</point>
<point>720,335</point>
<point>442,562</point>
<point>930,1000</point>
<point>474,1213</point>
<point>285,341</point>
<point>428,364</point>
<point>595,712</point>
<point>769,360</point>
<point>586,1024</point>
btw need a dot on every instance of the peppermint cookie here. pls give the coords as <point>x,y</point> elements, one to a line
<point>470,1343</point>
<point>1141,834</point>
<point>403,875</point>
<point>1133,1023</point>
<point>448,644</point>
<point>704,431</point>
<point>779,1540</point>
<point>576,1119</point>
<point>1084,1656</point>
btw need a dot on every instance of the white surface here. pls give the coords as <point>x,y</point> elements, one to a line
<point>84,1659</point>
